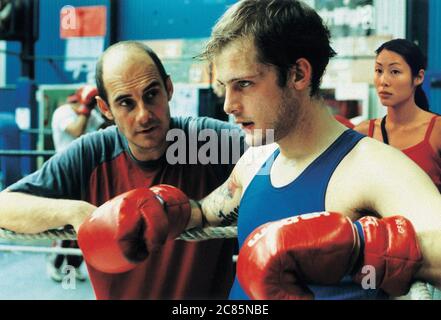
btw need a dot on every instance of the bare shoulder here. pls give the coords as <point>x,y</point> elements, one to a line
<point>349,190</point>
<point>437,126</point>
<point>375,157</point>
<point>221,206</point>
<point>436,134</point>
<point>378,178</point>
<point>363,127</point>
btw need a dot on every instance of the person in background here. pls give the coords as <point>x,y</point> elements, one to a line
<point>344,121</point>
<point>69,121</point>
<point>409,125</point>
<point>76,117</point>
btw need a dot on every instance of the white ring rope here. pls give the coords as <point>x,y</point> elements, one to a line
<point>199,234</point>
<point>35,249</point>
<point>54,234</point>
<point>196,234</point>
<point>418,290</point>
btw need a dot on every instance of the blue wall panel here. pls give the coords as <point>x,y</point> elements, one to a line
<point>12,62</point>
<point>7,100</point>
<point>168,19</point>
<point>434,55</point>
<point>138,20</point>
<point>49,45</point>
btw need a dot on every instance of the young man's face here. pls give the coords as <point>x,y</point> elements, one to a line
<point>252,94</point>
<point>138,102</point>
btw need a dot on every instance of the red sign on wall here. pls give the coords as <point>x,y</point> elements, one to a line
<point>87,21</point>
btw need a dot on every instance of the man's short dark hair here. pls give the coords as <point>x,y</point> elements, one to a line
<point>126,45</point>
<point>283,31</point>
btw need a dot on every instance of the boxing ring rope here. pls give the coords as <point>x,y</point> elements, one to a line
<point>196,234</point>
<point>418,291</point>
<point>69,234</point>
<point>27,153</point>
<point>34,249</point>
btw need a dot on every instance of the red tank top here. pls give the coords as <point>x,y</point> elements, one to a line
<point>422,154</point>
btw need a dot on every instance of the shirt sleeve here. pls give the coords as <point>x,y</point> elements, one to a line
<point>201,131</point>
<point>62,118</point>
<point>65,175</point>
<point>95,121</point>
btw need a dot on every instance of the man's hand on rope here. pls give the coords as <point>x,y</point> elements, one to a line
<point>83,211</point>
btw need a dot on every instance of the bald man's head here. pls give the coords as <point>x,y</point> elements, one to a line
<point>125,49</point>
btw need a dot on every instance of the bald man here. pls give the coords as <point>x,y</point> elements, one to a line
<point>134,92</point>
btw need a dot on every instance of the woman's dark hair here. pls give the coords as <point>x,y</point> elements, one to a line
<point>416,60</point>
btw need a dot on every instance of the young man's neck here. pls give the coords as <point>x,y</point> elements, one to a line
<point>317,130</point>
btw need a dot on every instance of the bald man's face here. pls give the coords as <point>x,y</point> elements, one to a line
<point>138,101</point>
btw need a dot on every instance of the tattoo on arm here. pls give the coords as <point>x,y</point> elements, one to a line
<point>228,218</point>
<point>221,207</point>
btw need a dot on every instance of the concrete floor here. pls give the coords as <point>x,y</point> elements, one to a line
<point>23,277</point>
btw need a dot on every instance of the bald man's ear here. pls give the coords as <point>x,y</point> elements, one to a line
<point>104,108</point>
<point>169,88</point>
<point>300,75</point>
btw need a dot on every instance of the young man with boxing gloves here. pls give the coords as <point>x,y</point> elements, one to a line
<point>111,173</point>
<point>374,221</point>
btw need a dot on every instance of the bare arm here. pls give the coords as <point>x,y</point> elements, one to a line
<point>219,208</point>
<point>363,127</point>
<point>421,204</point>
<point>77,128</point>
<point>24,213</point>
<point>430,244</point>
<point>397,186</point>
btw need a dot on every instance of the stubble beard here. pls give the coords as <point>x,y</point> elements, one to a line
<point>288,117</point>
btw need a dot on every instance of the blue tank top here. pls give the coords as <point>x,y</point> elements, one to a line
<point>263,203</point>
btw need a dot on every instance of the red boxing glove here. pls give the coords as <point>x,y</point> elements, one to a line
<point>279,259</point>
<point>123,231</point>
<point>391,247</point>
<point>87,102</point>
